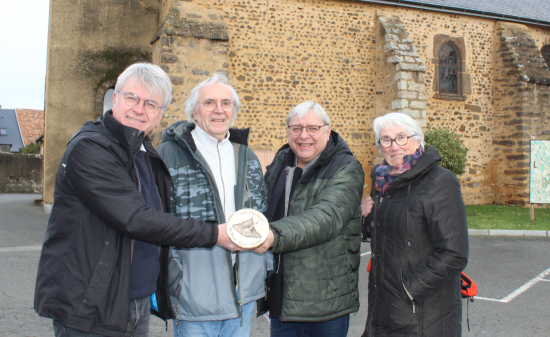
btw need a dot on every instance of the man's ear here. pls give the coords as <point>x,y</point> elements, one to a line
<point>114,97</point>
<point>160,118</point>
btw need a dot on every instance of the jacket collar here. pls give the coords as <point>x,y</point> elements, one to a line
<point>128,137</point>
<point>182,129</point>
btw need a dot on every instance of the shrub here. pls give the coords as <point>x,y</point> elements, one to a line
<point>449,145</point>
<point>32,148</point>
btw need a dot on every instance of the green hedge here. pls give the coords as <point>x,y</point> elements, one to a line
<point>450,147</point>
<point>32,148</point>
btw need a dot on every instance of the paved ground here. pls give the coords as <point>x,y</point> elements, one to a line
<point>513,274</point>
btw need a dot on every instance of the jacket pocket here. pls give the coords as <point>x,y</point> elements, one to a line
<point>407,293</point>
<point>105,299</point>
<point>331,270</point>
<point>400,316</point>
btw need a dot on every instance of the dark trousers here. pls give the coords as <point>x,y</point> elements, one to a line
<point>139,322</point>
<point>337,327</point>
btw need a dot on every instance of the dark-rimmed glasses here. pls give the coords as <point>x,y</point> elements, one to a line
<point>211,105</point>
<point>312,130</point>
<point>401,140</point>
<point>149,106</point>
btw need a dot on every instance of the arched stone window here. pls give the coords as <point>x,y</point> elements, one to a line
<point>449,70</point>
<point>450,80</point>
<point>545,51</point>
<point>105,90</point>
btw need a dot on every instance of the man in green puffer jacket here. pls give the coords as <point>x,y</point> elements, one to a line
<point>314,188</point>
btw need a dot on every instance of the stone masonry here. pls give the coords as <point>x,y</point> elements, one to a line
<point>522,99</point>
<point>191,45</point>
<point>358,59</point>
<point>409,72</point>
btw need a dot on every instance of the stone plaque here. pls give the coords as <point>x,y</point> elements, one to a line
<point>247,228</point>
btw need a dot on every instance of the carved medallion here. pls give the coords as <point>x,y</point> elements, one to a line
<point>247,228</point>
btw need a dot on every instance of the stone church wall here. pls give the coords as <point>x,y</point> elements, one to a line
<point>359,60</point>
<point>338,53</point>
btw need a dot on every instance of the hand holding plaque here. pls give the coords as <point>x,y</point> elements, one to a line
<point>247,228</point>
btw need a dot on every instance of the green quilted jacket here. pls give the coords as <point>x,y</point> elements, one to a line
<point>321,237</point>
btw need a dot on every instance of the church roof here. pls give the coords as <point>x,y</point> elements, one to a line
<point>525,11</point>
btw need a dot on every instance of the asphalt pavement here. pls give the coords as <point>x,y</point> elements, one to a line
<point>512,273</point>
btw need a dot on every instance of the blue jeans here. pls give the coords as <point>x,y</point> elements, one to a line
<point>140,315</point>
<point>337,327</point>
<point>226,328</point>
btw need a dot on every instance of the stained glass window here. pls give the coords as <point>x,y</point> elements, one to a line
<point>448,70</point>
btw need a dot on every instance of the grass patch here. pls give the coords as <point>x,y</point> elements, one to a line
<point>507,217</point>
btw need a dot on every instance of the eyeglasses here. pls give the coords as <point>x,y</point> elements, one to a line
<point>149,106</point>
<point>400,140</point>
<point>312,130</point>
<point>211,105</point>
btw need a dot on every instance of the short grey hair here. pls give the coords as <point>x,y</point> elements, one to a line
<point>192,102</point>
<point>300,110</point>
<point>397,119</point>
<point>153,78</point>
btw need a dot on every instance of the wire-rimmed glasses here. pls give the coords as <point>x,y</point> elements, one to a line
<point>312,130</point>
<point>149,106</point>
<point>211,105</point>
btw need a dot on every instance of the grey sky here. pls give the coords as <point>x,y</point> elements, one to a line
<point>23,53</point>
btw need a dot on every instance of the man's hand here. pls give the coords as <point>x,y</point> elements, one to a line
<point>366,205</point>
<point>267,244</point>
<point>224,240</point>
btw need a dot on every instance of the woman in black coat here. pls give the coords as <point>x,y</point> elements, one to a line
<point>419,236</point>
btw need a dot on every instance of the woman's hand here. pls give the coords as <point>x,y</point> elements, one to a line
<point>366,205</point>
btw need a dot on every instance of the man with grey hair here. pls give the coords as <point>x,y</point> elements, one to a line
<point>314,187</point>
<point>214,174</point>
<point>101,270</point>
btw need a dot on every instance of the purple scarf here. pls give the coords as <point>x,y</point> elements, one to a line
<point>385,173</point>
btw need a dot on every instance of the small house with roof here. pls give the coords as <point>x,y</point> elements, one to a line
<point>31,124</point>
<point>19,128</point>
<point>10,134</point>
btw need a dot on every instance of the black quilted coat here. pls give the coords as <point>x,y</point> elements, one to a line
<point>419,247</point>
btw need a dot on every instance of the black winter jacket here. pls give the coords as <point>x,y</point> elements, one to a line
<point>419,247</point>
<point>83,276</point>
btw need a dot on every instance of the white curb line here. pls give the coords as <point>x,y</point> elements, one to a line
<point>507,232</point>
